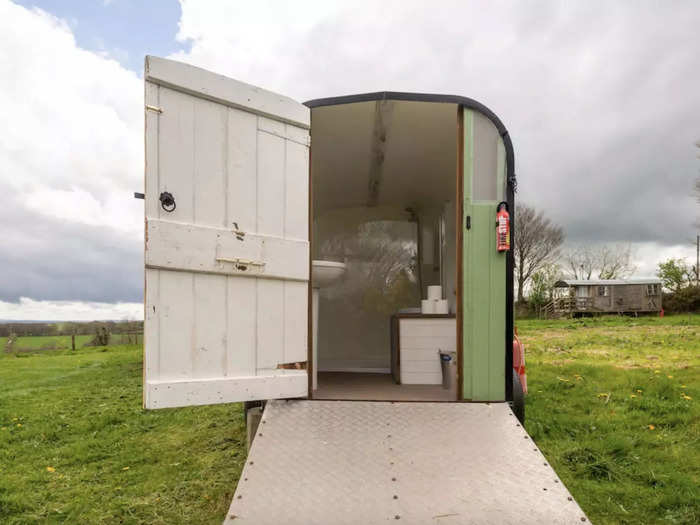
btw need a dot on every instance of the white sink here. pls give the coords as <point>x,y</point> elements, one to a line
<point>325,273</point>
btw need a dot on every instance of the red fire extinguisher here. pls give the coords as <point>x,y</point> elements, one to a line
<point>502,227</point>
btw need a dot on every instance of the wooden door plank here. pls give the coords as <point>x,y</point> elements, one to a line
<point>295,321</point>
<point>242,156</point>
<point>270,329</point>
<point>271,185</point>
<point>209,352</point>
<point>177,310</point>
<point>177,246</point>
<point>227,91</point>
<point>210,179</point>
<point>241,326</point>
<point>176,153</point>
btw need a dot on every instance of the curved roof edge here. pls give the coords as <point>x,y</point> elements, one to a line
<point>413,97</point>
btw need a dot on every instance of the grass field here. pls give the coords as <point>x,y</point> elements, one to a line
<point>48,342</point>
<point>613,404</point>
<point>76,447</point>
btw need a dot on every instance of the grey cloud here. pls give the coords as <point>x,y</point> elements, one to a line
<point>51,259</point>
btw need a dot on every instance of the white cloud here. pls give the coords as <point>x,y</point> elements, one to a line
<point>30,309</point>
<point>72,143</point>
<point>647,256</point>
<point>71,154</point>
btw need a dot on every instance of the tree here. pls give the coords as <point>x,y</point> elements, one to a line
<point>615,262</point>
<point>542,285</point>
<point>605,261</point>
<point>675,274</point>
<point>537,243</point>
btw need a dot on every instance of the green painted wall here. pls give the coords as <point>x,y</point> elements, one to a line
<point>484,284</point>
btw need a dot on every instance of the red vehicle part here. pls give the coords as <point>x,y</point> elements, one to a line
<point>519,361</point>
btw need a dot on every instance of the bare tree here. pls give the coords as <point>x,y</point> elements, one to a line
<point>605,261</point>
<point>537,244</point>
<point>580,262</point>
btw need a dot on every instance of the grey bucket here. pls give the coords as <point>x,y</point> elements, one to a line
<point>445,362</point>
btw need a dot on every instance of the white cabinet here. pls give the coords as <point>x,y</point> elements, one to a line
<point>419,341</point>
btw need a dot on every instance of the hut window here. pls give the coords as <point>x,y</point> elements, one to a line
<point>652,289</point>
<point>603,291</point>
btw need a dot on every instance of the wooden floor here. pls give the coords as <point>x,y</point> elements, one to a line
<point>376,387</point>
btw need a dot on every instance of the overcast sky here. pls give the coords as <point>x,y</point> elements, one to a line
<point>602,100</point>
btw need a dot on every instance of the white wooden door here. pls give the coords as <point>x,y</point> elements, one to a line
<point>227,270</point>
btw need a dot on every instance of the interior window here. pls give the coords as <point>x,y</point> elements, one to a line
<point>486,142</point>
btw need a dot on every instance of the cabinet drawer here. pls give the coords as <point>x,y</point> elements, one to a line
<point>421,378</point>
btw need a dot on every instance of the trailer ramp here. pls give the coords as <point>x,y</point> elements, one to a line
<point>355,462</point>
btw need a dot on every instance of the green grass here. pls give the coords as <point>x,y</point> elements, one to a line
<point>48,342</point>
<point>613,404</point>
<point>80,414</point>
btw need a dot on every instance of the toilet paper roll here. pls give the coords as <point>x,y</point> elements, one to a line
<point>435,292</point>
<point>427,306</point>
<point>441,307</point>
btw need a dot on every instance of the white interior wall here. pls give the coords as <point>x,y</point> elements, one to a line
<point>430,263</point>
<point>449,283</point>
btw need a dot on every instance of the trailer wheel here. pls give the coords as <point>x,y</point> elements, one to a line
<point>518,403</point>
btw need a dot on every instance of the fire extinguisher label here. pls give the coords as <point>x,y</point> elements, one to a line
<point>503,229</point>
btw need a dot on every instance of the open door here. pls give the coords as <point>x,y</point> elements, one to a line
<point>484,285</point>
<point>226,240</point>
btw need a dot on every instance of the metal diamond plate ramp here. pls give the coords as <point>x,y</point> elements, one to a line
<point>352,462</point>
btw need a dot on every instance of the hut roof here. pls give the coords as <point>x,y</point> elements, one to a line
<point>606,282</point>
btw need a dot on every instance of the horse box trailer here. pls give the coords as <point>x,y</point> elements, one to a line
<point>339,261</point>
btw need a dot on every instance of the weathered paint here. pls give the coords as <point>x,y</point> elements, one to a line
<point>227,270</point>
<point>484,285</point>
